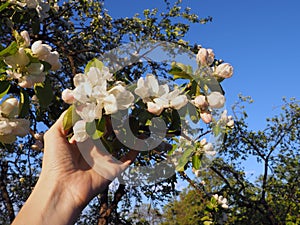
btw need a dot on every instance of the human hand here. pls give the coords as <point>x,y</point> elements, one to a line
<point>68,180</point>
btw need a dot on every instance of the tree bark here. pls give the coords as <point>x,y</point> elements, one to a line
<point>106,209</point>
<point>4,192</point>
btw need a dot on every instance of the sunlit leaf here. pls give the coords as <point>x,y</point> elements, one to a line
<point>185,158</point>
<point>93,63</point>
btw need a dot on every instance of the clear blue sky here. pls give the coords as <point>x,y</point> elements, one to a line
<point>260,38</point>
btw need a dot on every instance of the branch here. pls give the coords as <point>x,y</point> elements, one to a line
<point>4,192</point>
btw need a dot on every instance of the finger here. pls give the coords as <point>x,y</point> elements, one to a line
<point>129,158</point>
<point>57,127</point>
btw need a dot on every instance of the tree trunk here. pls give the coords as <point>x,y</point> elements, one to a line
<point>4,192</point>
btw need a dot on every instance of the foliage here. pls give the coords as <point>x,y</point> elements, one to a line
<point>273,197</point>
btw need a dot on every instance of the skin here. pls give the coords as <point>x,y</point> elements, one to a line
<point>67,183</point>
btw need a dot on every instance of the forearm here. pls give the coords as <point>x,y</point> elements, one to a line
<point>49,203</point>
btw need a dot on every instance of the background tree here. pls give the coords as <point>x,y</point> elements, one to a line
<point>272,198</point>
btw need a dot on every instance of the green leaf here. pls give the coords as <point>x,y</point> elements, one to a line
<point>181,71</point>
<point>196,162</point>
<point>174,147</point>
<point>93,63</point>
<point>24,104</point>
<point>44,93</point>
<point>70,118</point>
<point>4,6</point>
<point>216,130</point>
<point>4,88</point>
<point>185,158</point>
<point>10,50</point>
<point>100,128</point>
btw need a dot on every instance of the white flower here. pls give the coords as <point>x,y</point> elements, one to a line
<point>67,96</point>
<point>53,60</point>
<point>149,87</point>
<point>158,96</point>
<point>216,100</point>
<point>205,57</point>
<point>19,59</point>
<point>80,134</point>
<point>20,127</point>
<point>10,107</point>
<point>200,101</point>
<point>206,116</point>
<point>26,38</point>
<point>124,98</point>
<point>5,127</point>
<point>224,70</point>
<point>221,201</point>
<point>42,51</point>
<point>208,149</point>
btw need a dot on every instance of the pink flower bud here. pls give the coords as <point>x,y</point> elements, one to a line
<point>26,38</point>
<point>206,116</point>
<point>205,57</point>
<point>224,70</point>
<point>67,96</point>
<point>200,101</point>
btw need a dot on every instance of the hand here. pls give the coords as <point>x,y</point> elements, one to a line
<point>67,182</point>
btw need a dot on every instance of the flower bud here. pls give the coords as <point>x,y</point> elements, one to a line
<point>216,100</point>
<point>205,57</point>
<point>10,107</point>
<point>206,116</point>
<point>200,101</point>
<point>224,70</point>
<point>26,38</point>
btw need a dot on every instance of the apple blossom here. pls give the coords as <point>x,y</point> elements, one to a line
<point>216,100</point>
<point>206,116</point>
<point>200,101</point>
<point>224,70</point>
<point>221,201</point>
<point>79,129</point>
<point>42,51</point>
<point>67,96</point>
<point>9,107</point>
<point>157,97</point>
<point>205,57</point>
<point>26,38</point>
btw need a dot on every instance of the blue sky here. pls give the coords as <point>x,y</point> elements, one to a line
<point>261,39</point>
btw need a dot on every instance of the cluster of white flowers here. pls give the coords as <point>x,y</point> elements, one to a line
<point>28,73</point>
<point>214,100</point>
<point>158,97</point>
<point>226,120</point>
<point>205,57</point>
<point>221,201</point>
<point>91,97</point>
<point>10,125</point>
<point>40,6</point>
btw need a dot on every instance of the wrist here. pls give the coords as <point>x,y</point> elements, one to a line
<point>50,203</point>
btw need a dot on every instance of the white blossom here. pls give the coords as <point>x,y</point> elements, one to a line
<point>205,57</point>
<point>157,97</point>
<point>216,100</point>
<point>9,107</point>
<point>26,38</point>
<point>224,70</point>
<point>79,129</point>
